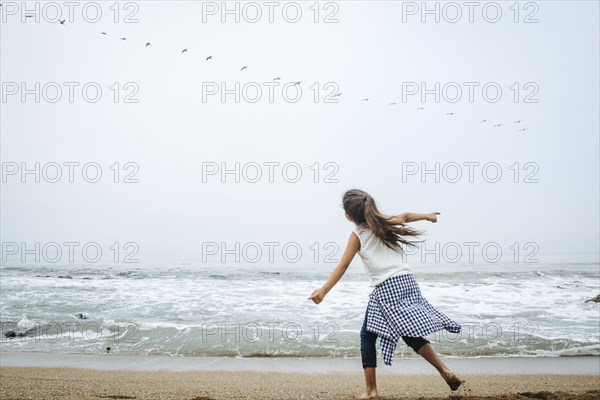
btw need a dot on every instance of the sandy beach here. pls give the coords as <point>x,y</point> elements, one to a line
<point>30,375</point>
<point>69,383</point>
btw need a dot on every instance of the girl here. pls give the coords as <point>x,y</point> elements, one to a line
<point>396,308</point>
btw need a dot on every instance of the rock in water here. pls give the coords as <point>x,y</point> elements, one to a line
<point>594,299</point>
<point>13,334</point>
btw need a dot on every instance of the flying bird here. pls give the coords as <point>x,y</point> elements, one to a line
<point>337,94</point>
<point>517,122</point>
<point>147,44</point>
<point>208,58</point>
<point>483,120</point>
<point>62,22</point>
<point>365,99</point>
<point>449,113</point>
<point>123,38</point>
<point>29,16</point>
<point>297,83</point>
<point>391,104</point>
<point>244,67</point>
<point>496,126</point>
<point>184,50</point>
<point>103,33</point>
<point>420,108</point>
<point>522,129</point>
<point>277,79</point>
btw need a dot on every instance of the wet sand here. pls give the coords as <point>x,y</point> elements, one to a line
<point>70,383</point>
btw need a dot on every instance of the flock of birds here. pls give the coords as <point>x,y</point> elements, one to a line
<point>245,67</point>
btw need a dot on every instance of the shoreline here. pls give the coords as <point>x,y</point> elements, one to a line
<point>31,375</point>
<point>566,365</point>
<point>69,383</point>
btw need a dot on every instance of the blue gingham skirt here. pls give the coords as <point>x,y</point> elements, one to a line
<point>396,308</point>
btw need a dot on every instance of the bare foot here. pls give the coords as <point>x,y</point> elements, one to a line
<point>372,395</point>
<point>452,380</point>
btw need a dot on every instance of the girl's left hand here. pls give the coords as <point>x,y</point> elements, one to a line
<point>433,216</point>
<point>317,296</point>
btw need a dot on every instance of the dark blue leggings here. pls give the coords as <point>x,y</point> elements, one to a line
<point>368,352</point>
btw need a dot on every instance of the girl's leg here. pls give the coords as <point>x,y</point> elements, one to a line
<point>368,354</point>
<point>371,381</point>
<point>423,347</point>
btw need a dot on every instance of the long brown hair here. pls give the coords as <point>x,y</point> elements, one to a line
<point>361,209</point>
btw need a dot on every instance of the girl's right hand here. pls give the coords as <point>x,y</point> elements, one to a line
<point>433,217</point>
<point>317,296</point>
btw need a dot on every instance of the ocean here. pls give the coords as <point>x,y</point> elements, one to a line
<point>189,308</point>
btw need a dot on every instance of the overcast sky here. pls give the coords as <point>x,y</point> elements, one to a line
<point>547,72</point>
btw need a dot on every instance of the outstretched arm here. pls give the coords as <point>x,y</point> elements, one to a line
<point>406,217</point>
<point>351,248</point>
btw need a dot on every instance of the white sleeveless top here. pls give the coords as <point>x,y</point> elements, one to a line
<point>379,261</point>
